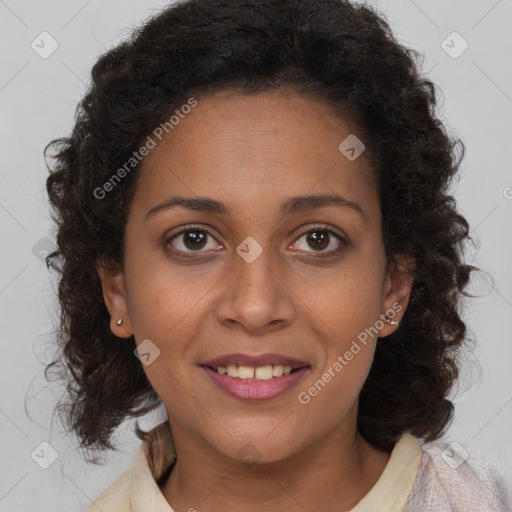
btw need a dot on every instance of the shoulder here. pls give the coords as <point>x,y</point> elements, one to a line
<point>137,488</point>
<point>450,479</point>
<point>116,498</point>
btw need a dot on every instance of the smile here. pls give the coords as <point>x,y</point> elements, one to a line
<point>255,383</point>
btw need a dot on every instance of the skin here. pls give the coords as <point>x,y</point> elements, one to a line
<point>253,152</point>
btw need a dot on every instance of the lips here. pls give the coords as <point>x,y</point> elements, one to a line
<point>255,390</point>
<point>254,360</point>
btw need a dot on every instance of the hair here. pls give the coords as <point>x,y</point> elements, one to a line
<point>344,55</point>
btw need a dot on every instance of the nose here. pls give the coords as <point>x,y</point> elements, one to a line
<point>254,297</point>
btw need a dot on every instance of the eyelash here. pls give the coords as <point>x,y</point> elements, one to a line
<point>317,227</point>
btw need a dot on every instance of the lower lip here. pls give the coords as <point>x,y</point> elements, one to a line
<point>255,389</point>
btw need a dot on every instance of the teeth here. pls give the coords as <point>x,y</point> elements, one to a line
<point>260,373</point>
<point>245,372</point>
<point>277,370</point>
<point>232,370</point>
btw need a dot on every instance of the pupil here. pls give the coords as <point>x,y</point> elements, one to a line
<point>194,238</point>
<point>317,237</point>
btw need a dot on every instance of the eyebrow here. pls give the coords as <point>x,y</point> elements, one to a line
<point>293,205</point>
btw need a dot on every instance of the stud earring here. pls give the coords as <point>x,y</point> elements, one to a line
<point>120,321</point>
<point>391,322</point>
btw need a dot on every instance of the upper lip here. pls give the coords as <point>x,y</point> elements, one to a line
<point>253,360</point>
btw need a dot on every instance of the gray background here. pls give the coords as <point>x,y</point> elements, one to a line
<point>37,100</point>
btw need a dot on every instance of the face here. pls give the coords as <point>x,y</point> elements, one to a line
<point>277,249</point>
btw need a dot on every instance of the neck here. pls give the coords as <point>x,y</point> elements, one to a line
<point>333,474</point>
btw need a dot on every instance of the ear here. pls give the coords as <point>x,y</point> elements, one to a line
<point>396,292</point>
<point>114,295</point>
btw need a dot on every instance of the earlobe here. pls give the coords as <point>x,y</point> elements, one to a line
<point>114,295</point>
<point>397,290</point>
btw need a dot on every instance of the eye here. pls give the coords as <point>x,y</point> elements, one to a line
<point>319,238</point>
<point>193,239</point>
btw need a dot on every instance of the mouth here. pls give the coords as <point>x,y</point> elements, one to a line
<point>255,377</point>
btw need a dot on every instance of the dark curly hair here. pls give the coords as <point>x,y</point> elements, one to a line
<point>340,53</point>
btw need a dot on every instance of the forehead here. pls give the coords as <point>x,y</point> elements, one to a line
<point>256,148</point>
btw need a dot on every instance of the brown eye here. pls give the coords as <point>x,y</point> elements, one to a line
<point>192,240</point>
<point>319,239</point>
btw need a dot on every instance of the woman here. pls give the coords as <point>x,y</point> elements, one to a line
<point>255,231</point>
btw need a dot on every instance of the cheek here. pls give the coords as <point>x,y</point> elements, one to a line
<point>345,310</point>
<point>163,297</point>
<point>346,324</point>
<point>332,395</point>
<point>346,300</point>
